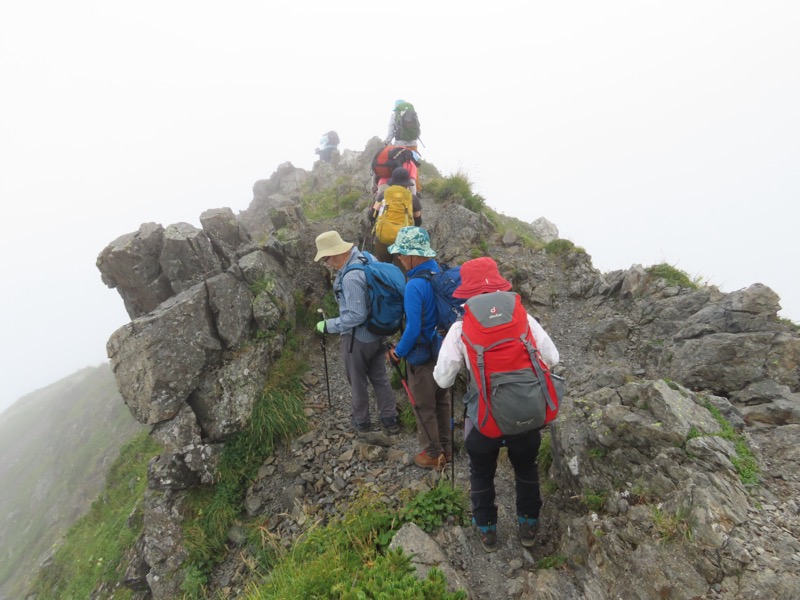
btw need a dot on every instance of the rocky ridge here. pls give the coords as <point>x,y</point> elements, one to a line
<point>644,498</point>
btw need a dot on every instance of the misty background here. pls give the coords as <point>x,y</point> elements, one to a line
<point>647,132</point>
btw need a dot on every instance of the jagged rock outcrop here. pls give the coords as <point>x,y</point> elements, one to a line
<point>210,306</point>
<point>669,506</point>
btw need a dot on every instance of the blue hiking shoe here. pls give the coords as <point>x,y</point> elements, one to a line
<point>487,535</point>
<point>527,531</point>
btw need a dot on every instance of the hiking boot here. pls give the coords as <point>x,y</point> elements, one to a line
<point>488,537</point>
<point>527,531</point>
<point>425,461</point>
<point>364,427</point>
<point>391,425</point>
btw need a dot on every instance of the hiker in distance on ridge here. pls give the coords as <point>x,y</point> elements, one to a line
<point>328,150</point>
<point>404,126</point>
<point>484,289</point>
<point>361,350</point>
<point>416,346</point>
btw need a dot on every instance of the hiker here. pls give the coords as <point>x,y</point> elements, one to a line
<point>413,248</point>
<point>328,145</point>
<point>381,182</point>
<point>394,208</point>
<point>481,276</point>
<point>403,126</point>
<point>361,350</point>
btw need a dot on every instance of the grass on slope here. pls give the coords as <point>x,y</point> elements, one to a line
<point>56,445</point>
<point>348,559</point>
<point>94,548</point>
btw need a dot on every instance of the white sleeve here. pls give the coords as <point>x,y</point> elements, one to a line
<point>391,132</point>
<point>451,357</point>
<point>543,342</point>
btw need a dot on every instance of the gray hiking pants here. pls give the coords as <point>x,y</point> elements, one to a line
<point>433,409</point>
<point>366,363</point>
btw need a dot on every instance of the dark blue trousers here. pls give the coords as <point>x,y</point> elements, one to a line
<point>523,449</point>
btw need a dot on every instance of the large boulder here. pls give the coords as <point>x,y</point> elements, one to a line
<point>158,359</point>
<point>231,304</point>
<point>131,265</point>
<point>225,234</point>
<point>187,257</point>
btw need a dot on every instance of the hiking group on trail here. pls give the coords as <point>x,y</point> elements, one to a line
<point>448,320</point>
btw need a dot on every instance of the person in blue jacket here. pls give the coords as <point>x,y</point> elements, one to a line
<point>416,346</point>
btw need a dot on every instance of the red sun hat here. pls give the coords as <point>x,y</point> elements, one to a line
<point>480,276</point>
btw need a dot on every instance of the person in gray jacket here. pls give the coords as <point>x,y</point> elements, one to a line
<point>362,351</point>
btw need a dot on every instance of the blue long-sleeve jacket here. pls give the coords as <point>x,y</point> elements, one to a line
<point>419,304</point>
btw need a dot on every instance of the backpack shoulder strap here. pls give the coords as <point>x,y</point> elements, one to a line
<point>424,274</point>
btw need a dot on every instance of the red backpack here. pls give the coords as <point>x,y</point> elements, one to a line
<point>516,391</point>
<point>391,157</point>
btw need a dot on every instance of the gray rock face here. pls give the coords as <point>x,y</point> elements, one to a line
<point>131,265</point>
<point>164,550</point>
<point>652,450</point>
<point>225,234</point>
<point>544,230</point>
<point>187,257</point>
<point>158,359</point>
<point>224,398</point>
<point>426,555</point>
<point>230,301</point>
<point>458,234</point>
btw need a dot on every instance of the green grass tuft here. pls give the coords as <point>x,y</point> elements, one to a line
<point>745,461</point>
<point>210,512</point>
<point>672,275</point>
<point>457,187</point>
<point>594,500</point>
<point>560,247</point>
<point>343,196</point>
<point>670,527</point>
<point>348,558</point>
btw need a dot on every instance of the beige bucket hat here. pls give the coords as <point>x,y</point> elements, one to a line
<point>331,243</point>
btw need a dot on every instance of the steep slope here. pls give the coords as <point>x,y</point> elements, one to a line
<point>55,444</point>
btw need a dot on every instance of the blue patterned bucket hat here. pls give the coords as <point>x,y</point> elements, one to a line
<point>412,241</point>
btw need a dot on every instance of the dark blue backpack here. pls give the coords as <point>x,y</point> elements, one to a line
<point>444,283</point>
<point>386,285</point>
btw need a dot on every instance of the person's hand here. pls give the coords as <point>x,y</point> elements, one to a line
<point>391,356</point>
<point>321,327</point>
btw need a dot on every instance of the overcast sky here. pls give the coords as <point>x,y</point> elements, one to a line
<point>646,131</point>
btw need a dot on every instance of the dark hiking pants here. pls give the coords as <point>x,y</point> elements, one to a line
<point>522,452</point>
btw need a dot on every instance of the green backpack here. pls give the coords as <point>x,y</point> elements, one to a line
<point>406,122</point>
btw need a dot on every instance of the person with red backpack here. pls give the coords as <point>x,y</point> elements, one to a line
<point>413,247</point>
<point>387,161</point>
<point>502,346</point>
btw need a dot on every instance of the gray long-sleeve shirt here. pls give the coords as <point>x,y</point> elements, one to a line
<point>352,297</point>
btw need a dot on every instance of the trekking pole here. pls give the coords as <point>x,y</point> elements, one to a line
<point>410,396</point>
<point>325,356</point>
<point>452,443</point>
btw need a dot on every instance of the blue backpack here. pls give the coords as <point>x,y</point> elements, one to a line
<point>444,283</point>
<point>386,285</point>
